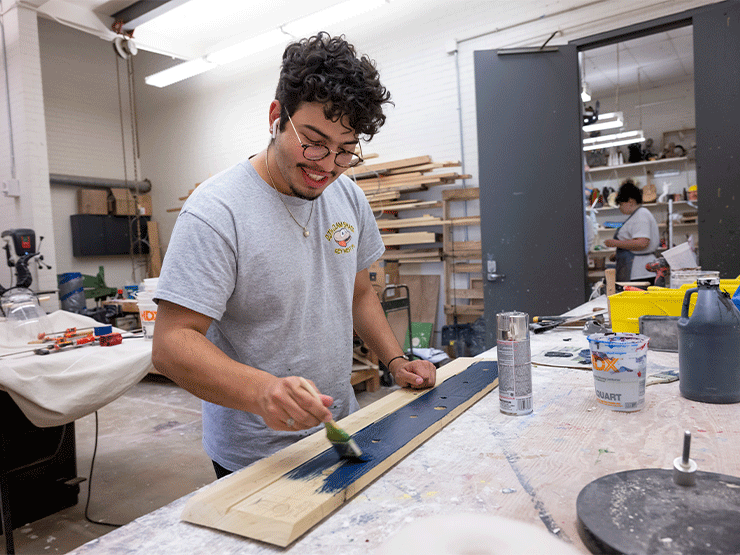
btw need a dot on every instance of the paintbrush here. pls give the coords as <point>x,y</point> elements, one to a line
<point>341,440</point>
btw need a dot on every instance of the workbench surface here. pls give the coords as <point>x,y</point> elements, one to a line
<point>529,468</point>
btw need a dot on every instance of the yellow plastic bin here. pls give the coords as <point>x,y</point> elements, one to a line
<point>627,307</point>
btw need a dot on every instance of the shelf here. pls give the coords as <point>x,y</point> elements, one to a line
<point>637,164</point>
<point>602,252</point>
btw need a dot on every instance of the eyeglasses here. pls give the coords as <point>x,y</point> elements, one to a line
<point>314,153</point>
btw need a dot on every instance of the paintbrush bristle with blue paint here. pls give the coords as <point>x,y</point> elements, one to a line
<point>343,443</point>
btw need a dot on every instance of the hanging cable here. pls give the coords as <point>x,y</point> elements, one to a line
<point>89,482</point>
<point>135,154</point>
<point>617,90</point>
<point>136,241</point>
<point>639,95</point>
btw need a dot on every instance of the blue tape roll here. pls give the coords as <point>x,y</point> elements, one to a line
<point>102,330</point>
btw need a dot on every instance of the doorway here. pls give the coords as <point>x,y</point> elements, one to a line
<point>641,90</point>
<point>716,51</point>
<point>506,147</point>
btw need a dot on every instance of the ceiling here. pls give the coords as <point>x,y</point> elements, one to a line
<point>660,58</point>
<point>666,57</point>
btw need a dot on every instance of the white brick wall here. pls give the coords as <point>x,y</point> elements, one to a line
<point>84,133</point>
<point>33,208</point>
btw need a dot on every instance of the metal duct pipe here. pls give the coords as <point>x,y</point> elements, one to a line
<point>99,183</point>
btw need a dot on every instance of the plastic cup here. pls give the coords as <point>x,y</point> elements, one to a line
<point>619,362</point>
<point>150,284</point>
<point>148,316</point>
<point>145,296</point>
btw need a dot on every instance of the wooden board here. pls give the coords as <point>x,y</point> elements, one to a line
<point>426,167</point>
<point>469,309</point>
<point>391,239</point>
<point>424,292</point>
<point>464,249</point>
<point>383,197</point>
<point>378,181</point>
<point>414,256</point>
<point>411,204</point>
<point>384,167</point>
<point>465,193</point>
<point>155,257</point>
<point>277,499</point>
<point>400,223</point>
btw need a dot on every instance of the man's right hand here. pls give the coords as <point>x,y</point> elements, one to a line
<point>287,406</point>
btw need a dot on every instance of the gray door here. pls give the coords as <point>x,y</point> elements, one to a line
<point>716,86</point>
<point>530,172</point>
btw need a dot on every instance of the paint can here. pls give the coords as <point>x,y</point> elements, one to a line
<point>514,363</point>
<point>619,362</point>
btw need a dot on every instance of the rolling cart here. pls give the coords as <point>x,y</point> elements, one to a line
<point>401,301</point>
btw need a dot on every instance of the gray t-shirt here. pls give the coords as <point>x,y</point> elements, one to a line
<point>642,224</point>
<point>280,302</point>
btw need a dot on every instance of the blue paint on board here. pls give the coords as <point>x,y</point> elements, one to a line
<point>381,439</point>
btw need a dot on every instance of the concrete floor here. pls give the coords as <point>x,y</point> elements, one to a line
<point>149,454</point>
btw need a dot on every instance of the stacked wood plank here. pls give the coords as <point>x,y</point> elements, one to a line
<point>462,257</point>
<point>384,183</point>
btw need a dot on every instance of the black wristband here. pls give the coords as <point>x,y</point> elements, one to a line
<point>388,364</point>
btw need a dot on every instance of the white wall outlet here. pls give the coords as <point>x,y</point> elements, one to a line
<point>12,188</point>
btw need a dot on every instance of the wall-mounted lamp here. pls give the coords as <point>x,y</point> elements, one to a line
<point>585,92</point>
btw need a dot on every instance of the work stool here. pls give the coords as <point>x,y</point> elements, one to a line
<point>400,302</point>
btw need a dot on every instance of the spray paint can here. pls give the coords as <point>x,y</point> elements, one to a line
<point>514,363</point>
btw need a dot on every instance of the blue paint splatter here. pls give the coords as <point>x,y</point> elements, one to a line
<point>381,439</point>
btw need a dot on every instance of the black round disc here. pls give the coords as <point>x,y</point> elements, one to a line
<point>644,511</point>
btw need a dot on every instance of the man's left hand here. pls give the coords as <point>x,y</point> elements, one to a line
<point>416,374</point>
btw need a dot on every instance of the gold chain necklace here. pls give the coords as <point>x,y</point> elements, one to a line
<point>306,233</point>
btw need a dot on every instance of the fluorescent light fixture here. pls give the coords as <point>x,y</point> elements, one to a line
<point>585,92</point>
<point>304,26</point>
<point>322,19</point>
<point>247,47</point>
<point>179,72</point>
<point>616,139</point>
<point>611,120</point>
<point>666,173</point>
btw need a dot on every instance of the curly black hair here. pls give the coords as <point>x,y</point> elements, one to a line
<point>629,190</point>
<point>327,70</point>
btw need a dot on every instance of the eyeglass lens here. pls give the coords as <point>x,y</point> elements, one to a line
<point>319,152</point>
<point>314,153</point>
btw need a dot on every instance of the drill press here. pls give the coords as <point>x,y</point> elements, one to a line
<point>20,250</point>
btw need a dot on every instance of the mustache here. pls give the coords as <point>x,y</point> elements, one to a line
<point>317,170</point>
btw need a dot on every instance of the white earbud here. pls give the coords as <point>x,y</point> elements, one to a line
<point>275,128</point>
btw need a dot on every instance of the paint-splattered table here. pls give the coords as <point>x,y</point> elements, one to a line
<point>530,468</point>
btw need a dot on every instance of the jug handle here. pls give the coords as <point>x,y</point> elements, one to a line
<point>687,302</point>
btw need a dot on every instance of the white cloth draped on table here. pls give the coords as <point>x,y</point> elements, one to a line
<point>62,386</point>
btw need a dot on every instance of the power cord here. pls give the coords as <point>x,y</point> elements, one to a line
<point>89,481</point>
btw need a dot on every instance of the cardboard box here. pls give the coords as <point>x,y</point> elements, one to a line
<point>92,201</point>
<point>377,274</point>
<point>121,202</point>
<point>144,205</point>
<point>383,273</point>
